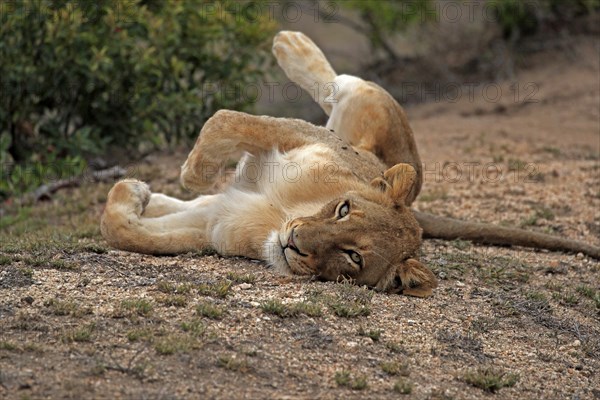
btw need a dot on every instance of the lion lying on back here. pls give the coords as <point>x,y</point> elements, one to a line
<point>331,202</point>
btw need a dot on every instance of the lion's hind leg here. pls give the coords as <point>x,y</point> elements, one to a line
<point>304,63</point>
<point>125,227</point>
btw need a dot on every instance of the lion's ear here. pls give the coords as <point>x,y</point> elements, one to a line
<point>397,182</point>
<point>415,278</point>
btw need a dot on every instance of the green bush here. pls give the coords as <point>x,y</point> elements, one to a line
<point>78,77</point>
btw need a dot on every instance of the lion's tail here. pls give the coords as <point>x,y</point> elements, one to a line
<point>437,227</point>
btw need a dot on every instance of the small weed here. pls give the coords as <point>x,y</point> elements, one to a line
<point>130,307</point>
<point>490,380</point>
<point>165,287</point>
<point>204,253</point>
<point>540,213</point>
<point>374,334</point>
<point>26,272</point>
<point>5,260</point>
<point>81,334</point>
<point>395,347</point>
<point>195,327</point>
<point>174,300</point>
<point>552,150</point>
<point>586,291</point>
<point>59,307</point>
<point>344,379</point>
<point>46,262</point>
<point>173,344</point>
<point>515,164</point>
<point>7,346</point>
<point>536,296</point>
<point>308,308</point>
<point>276,307</point>
<point>219,289</point>
<point>241,278</point>
<point>350,310</point>
<point>395,368</point>
<point>570,299</point>
<point>209,310</point>
<point>233,364</point>
<point>461,244</point>
<point>403,386</point>
<point>359,383</point>
<point>170,288</point>
<point>136,335</point>
<point>484,324</point>
<point>94,248</point>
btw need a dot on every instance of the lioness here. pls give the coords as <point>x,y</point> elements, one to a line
<point>332,202</point>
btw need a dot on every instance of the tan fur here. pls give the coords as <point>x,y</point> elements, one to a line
<point>283,205</point>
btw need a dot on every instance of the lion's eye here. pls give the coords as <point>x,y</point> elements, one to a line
<point>343,209</point>
<point>355,257</point>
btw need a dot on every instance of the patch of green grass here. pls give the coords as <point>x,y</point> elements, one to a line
<point>540,213</point>
<point>395,368</point>
<point>350,301</point>
<point>204,253</point>
<point>47,262</point>
<point>395,347</point>
<point>276,307</point>
<point>536,296</point>
<point>81,334</point>
<point>142,334</point>
<point>403,386</point>
<point>241,278</point>
<point>345,379</point>
<point>209,310</point>
<point>359,383</point>
<point>552,150</point>
<point>5,260</point>
<point>171,288</point>
<point>461,244</point>
<point>374,334</point>
<point>94,248</point>
<point>174,300</point>
<point>490,380</point>
<point>130,307</point>
<point>350,310</point>
<point>515,164</point>
<point>233,364</point>
<point>342,378</point>
<point>195,327</point>
<point>61,308</point>
<point>586,291</point>
<point>504,270</point>
<point>26,272</point>
<point>219,289</point>
<point>308,308</point>
<point>173,344</point>
<point>8,346</point>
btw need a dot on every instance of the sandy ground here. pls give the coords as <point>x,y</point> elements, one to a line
<point>80,320</point>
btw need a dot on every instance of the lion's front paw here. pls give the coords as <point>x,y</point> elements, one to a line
<point>131,193</point>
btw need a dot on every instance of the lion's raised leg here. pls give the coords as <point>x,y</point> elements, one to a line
<point>228,133</point>
<point>304,63</point>
<point>361,112</point>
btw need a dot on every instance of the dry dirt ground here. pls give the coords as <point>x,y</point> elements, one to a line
<point>81,320</point>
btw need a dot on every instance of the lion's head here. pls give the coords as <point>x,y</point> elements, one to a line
<point>368,235</point>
